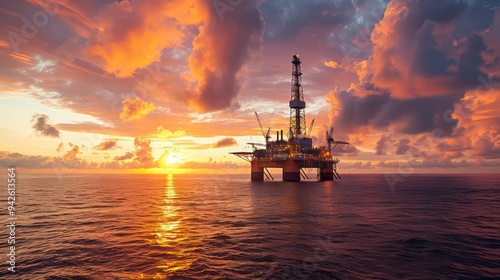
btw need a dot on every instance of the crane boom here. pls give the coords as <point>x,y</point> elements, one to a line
<point>260,125</point>
<point>265,134</point>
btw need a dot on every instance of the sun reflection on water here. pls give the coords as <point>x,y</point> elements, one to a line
<point>172,234</point>
<point>170,222</point>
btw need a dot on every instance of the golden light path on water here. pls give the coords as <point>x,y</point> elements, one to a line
<point>170,234</point>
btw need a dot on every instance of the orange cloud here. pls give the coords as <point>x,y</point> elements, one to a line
<point>161,132</point>
<point>135,109</point>
<point>134,33</point>
<point>332,64</point>
<point>72,154</point>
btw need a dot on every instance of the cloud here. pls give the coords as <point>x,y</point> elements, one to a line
<point>210,164</point>
<point>41,126</point>
<point>414,54</point>
<point>362,165</point>
<point>425,64</point>
<point>427,163</point>
<point>161,132</point>
<point>127,155</point>
<point>60,147</point>
<point>487,145</point>
<point>225,142</point>
<point>141,157</point>
<point>72,154</point>
<point>403,146</point>
<point>350,112</point>
<point>135,109</point>
<point>382,145</point>
<point>332,64</point>
<point>8,159</point>
<point>219,52</point>
<point>68,161</point>
<point>286,19</point>
<point>134,33</point>
<point>142,153</point>
<point>107,145</point>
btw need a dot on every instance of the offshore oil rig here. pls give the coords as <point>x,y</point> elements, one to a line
<point>297,152</point>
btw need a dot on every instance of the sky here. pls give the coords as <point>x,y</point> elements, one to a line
<point>171,86</point>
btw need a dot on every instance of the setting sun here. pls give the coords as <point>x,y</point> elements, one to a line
<point>173,158</point>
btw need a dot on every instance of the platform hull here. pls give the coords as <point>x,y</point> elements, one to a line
<point>291,176</point>
<point>291,169</point>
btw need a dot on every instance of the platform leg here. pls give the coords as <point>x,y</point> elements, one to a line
<point>291,172</point>
<point>257,172</point>
<point>326,174</point>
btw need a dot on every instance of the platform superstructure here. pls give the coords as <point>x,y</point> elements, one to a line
<point>295,153</point>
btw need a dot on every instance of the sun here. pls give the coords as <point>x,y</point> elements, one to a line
<point>173,158</point>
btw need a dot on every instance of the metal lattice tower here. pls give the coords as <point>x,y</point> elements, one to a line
<point>297,104</point>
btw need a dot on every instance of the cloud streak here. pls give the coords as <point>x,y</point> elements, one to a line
<point>107,145</point>
<point>225,142</point>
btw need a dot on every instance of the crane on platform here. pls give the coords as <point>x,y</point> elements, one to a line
<point>310,129</point>
<point>330,140</point>
<point>266,135</point>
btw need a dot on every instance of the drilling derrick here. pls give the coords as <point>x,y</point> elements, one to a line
<point>296,153</point>
<point>297,104</point>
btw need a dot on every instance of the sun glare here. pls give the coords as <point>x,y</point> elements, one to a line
<point>173,158</point>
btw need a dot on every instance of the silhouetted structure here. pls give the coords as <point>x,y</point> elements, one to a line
<point>296,152</point>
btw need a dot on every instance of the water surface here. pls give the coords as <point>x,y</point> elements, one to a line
<point>208,227</point>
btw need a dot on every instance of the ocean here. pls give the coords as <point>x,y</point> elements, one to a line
<point>226,227</point>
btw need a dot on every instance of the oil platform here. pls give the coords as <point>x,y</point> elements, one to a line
<point>297,152</point>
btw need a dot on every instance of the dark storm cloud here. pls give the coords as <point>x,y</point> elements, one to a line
<point>382,145</point>
<point>403,146</point>
<point>427,59</point>
<point>444,11</point>
<point>425,114</point>
<point>416,55</point>
<point>357,111</point>
<point>479,15</point>
<point>219,52</point>
<point>285,19</point>
<point>470,61</point>
<point>41,126</point>
<point>419,71</point>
